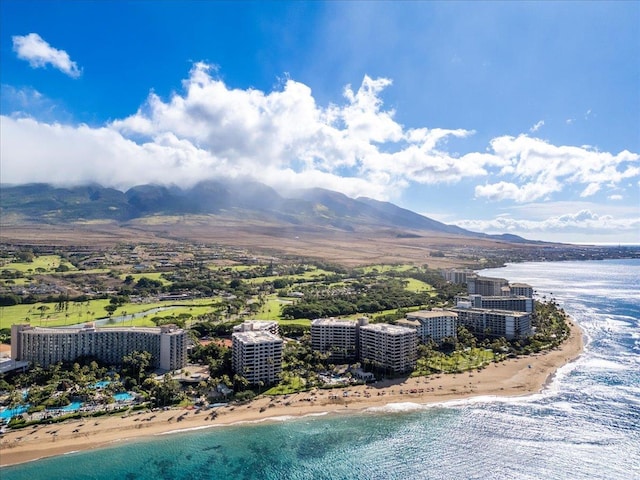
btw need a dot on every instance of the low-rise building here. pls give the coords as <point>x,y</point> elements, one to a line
<point>257,356</point>
<point>46,346</point>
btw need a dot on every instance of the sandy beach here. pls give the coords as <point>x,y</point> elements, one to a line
<point>520,376</point>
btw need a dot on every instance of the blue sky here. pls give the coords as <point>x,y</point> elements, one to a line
<point>496,116</point>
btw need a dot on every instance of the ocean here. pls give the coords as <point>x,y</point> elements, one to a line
<point>584,425</point>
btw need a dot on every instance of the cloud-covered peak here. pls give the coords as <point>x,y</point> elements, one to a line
<point>286,139</point>
<point>34,49</point>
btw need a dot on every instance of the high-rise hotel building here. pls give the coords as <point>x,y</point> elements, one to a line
<point>46,346</point>
<point>336,337</point>
<point>257,355</point>
<point>388,346</point>
<point>432,324</point>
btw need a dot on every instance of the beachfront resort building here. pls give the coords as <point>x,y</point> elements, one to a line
<point>46,346</point>
<point>388,346</point>
<point>521,290</point>
<point>258,325</point>
<point>432,324</point>
<point>495,323</point>
<point>515,303</point>
<point>257,356</point>
<point>487,286</point>
<point>337,337</point>
<point>457,275</point>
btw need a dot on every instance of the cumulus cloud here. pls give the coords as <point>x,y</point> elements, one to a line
<point>34,49</point>
<point>210,130</point>
<point>539,169</point>
<point>285,139</point>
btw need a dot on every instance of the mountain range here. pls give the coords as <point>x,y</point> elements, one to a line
<point>240,200</point>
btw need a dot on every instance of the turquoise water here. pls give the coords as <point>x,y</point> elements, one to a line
<point>586,425</point>
<point>122,397</point>
<point>72,407</point>
<point>7,413</point>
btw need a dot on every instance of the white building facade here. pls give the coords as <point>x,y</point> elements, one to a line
<point>257,356</point>
<point>495,323</point>
<point>258,325</point>
<point>388,346</point>
<point>434,324</point>
<point>46,346</point>
<point>336,337</point>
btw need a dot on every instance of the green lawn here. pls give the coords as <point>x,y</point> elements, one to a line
<point>293,385</point>
<point>414,285</point>
<point>313,274</point>
<point>44,263</point>
<point>386,268</point>
<point>45,314</point>
<point>271,308</point>
<point>458,361</point>
<point>92,310</point>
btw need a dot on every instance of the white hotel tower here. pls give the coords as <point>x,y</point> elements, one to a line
<point>46,346</point>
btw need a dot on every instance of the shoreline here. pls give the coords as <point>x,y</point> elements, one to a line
<point>510,378</point>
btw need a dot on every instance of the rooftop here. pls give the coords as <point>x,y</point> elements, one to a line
<point>256,337</point>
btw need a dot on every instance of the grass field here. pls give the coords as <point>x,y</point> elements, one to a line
<point>458,361</point>
<point>293,385</point>
<point>414,285</point>
<point>309,275</point>
<point>42,264</point>
<point>271,309</point>
<point>93,310</point>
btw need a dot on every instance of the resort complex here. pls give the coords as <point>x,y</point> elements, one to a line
<point>46,346</point>
<point>492,308</point>
<point>382,345</point>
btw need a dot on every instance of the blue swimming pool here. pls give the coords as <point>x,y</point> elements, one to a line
<point>123,397</point>
<point>8,413</point>
<point>72,407</point>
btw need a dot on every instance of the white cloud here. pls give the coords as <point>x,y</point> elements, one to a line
<point>583,220</point>
<point>39,53</point>
<point>285,139</point>
<point>538,169</point>
<point>537,126</point>
<point>281,138</point>
<point>615,197</point>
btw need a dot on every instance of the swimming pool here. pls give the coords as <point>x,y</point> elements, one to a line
<point>9,413</point>
<point>72,407</point>
<point>123,397</point>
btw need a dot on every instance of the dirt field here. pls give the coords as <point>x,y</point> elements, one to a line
<point>348,248</point>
